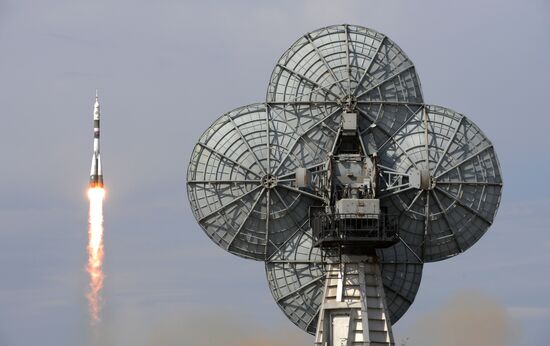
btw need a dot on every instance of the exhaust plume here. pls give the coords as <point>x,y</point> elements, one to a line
<point>95,250</point>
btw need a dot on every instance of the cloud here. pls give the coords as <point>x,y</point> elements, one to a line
<point>469,318</point>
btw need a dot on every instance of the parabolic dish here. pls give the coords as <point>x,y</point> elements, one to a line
<point>439,173</point>
<point>241,205</point>
<point>344,65</point>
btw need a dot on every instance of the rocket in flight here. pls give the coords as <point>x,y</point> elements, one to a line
<point>96,174</point>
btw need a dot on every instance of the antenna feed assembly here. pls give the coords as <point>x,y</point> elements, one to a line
<point>353,222</point>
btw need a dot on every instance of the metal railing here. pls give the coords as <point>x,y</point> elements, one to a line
<point>349,228</point>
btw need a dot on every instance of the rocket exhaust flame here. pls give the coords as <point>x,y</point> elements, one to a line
<point>95,250</point>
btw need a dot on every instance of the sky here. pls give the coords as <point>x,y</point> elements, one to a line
<point>165,71</point>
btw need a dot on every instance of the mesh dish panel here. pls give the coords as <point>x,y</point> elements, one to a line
<point>239,180</point>
<point>460,202</point>
<point>344,63</point>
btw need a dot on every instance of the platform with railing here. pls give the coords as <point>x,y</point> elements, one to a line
<point>354,230</point>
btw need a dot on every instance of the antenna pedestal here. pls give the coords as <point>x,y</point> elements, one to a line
<point>353,310</point>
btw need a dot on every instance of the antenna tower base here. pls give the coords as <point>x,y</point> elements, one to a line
<point>354,311</point>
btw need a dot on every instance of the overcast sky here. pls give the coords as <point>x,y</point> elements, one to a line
<point>165,70</point>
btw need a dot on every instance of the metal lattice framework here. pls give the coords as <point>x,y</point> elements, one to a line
<point>439,172</point>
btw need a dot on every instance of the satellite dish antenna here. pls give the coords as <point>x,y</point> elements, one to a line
<point>345,183</point>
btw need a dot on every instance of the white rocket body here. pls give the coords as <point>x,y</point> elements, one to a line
<point>96,174</point>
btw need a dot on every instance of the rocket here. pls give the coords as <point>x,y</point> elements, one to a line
<point>96,174</point>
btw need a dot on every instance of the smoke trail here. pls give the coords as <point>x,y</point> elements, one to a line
<point>95,250</point>
<point>469,318</point>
